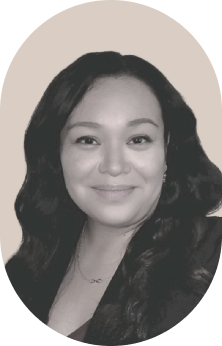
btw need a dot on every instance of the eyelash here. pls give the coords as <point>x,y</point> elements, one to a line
<point>146,138</point>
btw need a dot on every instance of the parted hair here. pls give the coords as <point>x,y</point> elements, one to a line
<point>51,222</point>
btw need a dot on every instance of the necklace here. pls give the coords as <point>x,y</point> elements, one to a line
<point>92,281</point>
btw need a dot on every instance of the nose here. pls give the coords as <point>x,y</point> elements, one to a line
<point>113,162</point>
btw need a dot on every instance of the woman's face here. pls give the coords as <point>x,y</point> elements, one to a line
<point>112,152</point>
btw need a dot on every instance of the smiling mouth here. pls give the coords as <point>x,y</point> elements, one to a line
<point>113,192</point>
<point>113,187</point>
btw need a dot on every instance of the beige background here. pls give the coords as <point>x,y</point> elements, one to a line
<point>124,27</point>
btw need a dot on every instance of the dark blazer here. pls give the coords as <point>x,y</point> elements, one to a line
<point>181,301</point>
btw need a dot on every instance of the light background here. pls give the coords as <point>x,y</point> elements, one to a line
<point>146,33</point>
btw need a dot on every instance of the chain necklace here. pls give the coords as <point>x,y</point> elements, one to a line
<point>92,281</point>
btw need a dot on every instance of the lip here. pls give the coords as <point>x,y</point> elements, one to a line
<point>113,187</point>
<point>114,195</point>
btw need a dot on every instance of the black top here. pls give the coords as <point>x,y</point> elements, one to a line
<point>182,303</point>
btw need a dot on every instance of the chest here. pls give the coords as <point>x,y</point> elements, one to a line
<point>75,304</point>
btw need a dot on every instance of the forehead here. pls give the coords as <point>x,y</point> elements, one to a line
<point>118,100</point>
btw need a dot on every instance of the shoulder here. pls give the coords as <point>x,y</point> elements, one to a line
<point>213,229</point>
<point>213,232</point>
<point>215,225</point>
<point>210,246</point>
<point>206,255</point>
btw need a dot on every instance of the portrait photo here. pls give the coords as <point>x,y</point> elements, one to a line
<point>111,179</point>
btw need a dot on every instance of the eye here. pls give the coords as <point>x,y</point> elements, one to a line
<point>87,140</point>
<point>140,140</point>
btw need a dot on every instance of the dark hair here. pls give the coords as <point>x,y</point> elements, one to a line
<point>51,222</point>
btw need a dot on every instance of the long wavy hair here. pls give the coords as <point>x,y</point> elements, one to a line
<point>52,223</point>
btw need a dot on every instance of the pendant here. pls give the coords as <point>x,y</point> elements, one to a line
<point>92,281</point>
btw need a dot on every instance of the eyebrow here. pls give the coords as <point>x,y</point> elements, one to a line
<point>94,125</point>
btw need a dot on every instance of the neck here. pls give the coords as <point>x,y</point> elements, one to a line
<point>104,239</point>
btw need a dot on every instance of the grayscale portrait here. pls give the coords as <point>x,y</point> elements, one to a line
<point>118,204</point>
<point>118,243</point>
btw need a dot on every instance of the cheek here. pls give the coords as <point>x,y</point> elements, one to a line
<point>151,164</point>
<point>76,166</point>
<point>75,170</point>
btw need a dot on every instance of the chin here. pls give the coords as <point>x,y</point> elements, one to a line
<point>117,219</point>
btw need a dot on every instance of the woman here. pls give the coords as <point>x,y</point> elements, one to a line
<point>116,247</point>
